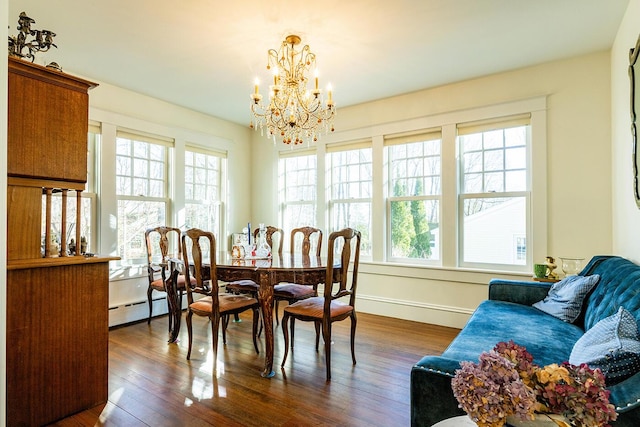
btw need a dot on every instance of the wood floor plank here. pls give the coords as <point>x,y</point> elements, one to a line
<point>152,384</point>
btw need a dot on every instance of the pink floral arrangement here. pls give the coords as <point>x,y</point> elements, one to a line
<point>505,382</point>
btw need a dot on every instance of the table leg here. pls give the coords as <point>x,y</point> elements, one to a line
<point>265,295</point>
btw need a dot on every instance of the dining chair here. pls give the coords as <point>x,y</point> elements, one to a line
<point>329,308</point>
<point>159,241</point>
<point>292,292</point>
<point>212,304</point>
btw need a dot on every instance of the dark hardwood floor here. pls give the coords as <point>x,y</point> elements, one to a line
<point>152,384</point>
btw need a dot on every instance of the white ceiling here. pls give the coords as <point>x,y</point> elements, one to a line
<point>205,54</point>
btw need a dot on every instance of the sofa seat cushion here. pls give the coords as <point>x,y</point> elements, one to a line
<point>547,338</point>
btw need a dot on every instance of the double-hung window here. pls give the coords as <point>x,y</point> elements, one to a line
<point>203,173</point>
<point>142,168</point>
<point>297,182</point>
<point>350,169</point>
<point>414,193</point>
<point>494,193</point>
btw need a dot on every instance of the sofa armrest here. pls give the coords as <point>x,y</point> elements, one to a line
<point>516,291</point>
<point>432,398</point>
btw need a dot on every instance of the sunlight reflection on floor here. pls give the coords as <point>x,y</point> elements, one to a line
<point>201,388</point>
<point>113,399</point>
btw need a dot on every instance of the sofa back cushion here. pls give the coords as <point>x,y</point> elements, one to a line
<point>619,286</point>
<point>565,298</point>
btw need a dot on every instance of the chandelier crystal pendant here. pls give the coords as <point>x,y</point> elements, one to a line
<point>294,113</point>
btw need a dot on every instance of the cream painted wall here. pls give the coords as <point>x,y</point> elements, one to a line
<point>578,178</point>
<point>626,216</point>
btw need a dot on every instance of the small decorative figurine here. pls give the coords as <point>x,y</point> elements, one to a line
<point>42,42</point>
<point>551,265</point>
<point>83,245</point>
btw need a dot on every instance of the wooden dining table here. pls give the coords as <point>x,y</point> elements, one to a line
<point>291,268</point>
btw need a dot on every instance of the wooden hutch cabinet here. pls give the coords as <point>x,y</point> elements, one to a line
<point>57,302</point>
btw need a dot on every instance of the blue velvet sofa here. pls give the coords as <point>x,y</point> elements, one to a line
<point>508,315</point>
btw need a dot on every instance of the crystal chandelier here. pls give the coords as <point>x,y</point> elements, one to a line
<point>294,113</point>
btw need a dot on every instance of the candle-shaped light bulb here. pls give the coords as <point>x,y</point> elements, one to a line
<point>275,75</point>
<point>257,83</point>
<point>316,75</point>
<point>330,94</point>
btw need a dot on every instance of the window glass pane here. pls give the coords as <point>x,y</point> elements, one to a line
<point>155,188</point>
<point>493,139</point>
<point>298,190</point>
<point>298,215</point>
<point>415,229</point>
<point>516,181</point>
<point>494,182</point>
<point>493,160</point>
<point>473,183</point>
<point>123,185</point>
<point>472,162</point>
<point>134,171</point>
<point>357,216</point>
<point>203,180</point>
<point>203,216</point>
<point>156,170</point>
<point>134,217</point>
<point>516,158</point>
<point>123,147</point>
<point>140,187</point>
<point>141,149</point>
<point>140,167</point>
<point>491,228</point>
<point>516,136</point>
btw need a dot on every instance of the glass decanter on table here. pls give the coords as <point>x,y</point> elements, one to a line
<point>263,250</point>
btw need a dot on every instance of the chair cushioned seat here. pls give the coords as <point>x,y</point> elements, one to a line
<point>314,307</point>
<point>228,303</point>
<point>246,285</point>
<point>158,285</point>
<point>293,291</point>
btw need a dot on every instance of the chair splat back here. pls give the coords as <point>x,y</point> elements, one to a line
<point>192,244</point>
<point>306,232</point>
<point>347,283</point>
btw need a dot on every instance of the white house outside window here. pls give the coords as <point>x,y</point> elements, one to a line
<point>141,190</point>
<point>350,174</point>
<point>413,206</point>
<point>203,171</point>
<point>494,199</point>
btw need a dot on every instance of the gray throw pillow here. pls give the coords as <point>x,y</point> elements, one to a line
<point>564,299</point>
<point>612,345</point>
